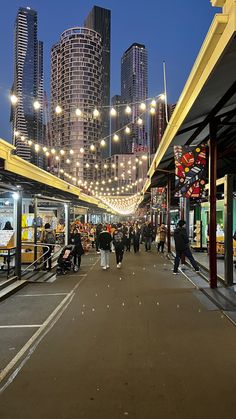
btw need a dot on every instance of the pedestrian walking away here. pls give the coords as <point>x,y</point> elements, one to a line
<point>136,238</point>
<point>48,237</point>
<point>78,250</point>
<point>182,247</point>
<point>104,244</point>
<point>119,244</point>
<point>161,237</point>
<point>147,236</point>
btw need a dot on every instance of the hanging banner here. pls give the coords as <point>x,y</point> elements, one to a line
<point>190,171</point>
<point>158,196</point>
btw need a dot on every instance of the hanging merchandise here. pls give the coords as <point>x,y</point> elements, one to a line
<point>158,196</point>
<point>190,171</point>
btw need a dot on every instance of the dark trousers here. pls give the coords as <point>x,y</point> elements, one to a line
<point>119,254</point>
<point>96,244</point>
<point>148,242</point>
<point>188,254</point>
<point>160,246</point>
<point>47,258</point>
<point>77,259</point>
<point>136,246</point>
<point>128,243</point>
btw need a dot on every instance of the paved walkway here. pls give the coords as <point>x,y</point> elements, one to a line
<point>135,342</point>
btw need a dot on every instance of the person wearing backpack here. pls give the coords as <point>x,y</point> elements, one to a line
<point>48,238</point>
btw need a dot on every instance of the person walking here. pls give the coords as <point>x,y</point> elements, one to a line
<point>147,236</point>
<point>104,244</point>
<point>136,238</point>
<point>78,250</point>
<point>161,236</point>
<point>98,231</point>
<point>119,244</point>
<point>48,238</point>
<point>182,247</point>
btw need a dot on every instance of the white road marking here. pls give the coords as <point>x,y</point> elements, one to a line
<point>12,326</point>
<point>37,337</point>
<point>42,295</point>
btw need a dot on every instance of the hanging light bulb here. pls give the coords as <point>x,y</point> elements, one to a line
<point>116,137</point>
<point>47,154</point>
<point>105,166</point>
<point>142,106</point>
<point>113,166</point>
<point>71,152</point>
<point>61,171</point>
<point>68,161</point>
<point>58,110</point>
<point>144,157</point>
<point>81,150</point>
<point>30,142</point>
<point>136,159</point>
<point>87,165</point>
<point>23,139</point>
<point>92,147</point>
<point>53,151</point>
<point>139,121</point>
<point>44,149</point>
<point>37,148</point>
<point>163,96</point>
<point>128,110</point>
<point>57,158</point>
<point>62,152</point>
<point>78,112</point>
<point>115,178</point>
<point>103,143</point>
<point>77,164</point>
<point>153,103</point>
<point>96,113</point>
<point>113,112</point>
<point>152,111</point>
<point>96,166</point>
<point>127,130</point>
<point>14,99</point>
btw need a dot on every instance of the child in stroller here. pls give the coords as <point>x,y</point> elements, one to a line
<point>65,261</point>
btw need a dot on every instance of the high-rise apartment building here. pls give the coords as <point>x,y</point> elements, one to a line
<point>99,19</point>
<point>158,125</point>
<point>134,89</point>
<point>76,75</point>
<point>27,122</point>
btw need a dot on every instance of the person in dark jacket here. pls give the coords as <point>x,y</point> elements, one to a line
<point>182,247</point>
<point>78,248</point>
<point>104,244</point>
<point>136,238</point>
<point>119,244</point>
<point>98,231</point>
<point>147,235</point>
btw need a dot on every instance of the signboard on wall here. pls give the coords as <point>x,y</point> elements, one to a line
<point>190,171</point>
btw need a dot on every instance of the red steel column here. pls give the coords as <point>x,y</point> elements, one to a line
<point>212,201</point>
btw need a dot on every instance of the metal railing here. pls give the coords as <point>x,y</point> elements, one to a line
<point>36,263</point>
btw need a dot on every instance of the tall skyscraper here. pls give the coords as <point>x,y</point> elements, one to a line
<point>134,89</point>
<point>99,19</point>
<point>27,121</point>
<point>158,125</point>
<point>76,75</point>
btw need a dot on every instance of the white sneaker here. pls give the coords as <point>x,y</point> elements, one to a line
<point>108,266</point>
<point>118,265</point>
<point>104,267</point>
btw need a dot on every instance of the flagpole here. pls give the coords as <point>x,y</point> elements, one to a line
<point>165,92</point>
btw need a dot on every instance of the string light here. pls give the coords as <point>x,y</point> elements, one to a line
<point>116,137</point>
<point>58,110</point>
<point>127,130</point>
<point>78,112</point>
<point>113,112</point>
<point>96,113</point>
<point>37,105</point>
<point>128,110</point>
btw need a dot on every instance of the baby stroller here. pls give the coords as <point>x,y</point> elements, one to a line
<point>65,261</point>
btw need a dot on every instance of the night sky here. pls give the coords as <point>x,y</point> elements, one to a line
<point>172,30</point>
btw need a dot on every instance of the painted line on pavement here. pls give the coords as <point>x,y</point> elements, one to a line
<point>41,295</point>
<point>13,326</point>
<point>37,337</point>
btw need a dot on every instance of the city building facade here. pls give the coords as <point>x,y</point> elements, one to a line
<point>99,19</point>
<point>134,89</point>
<point>76,87</point>
<point>27,119</point>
